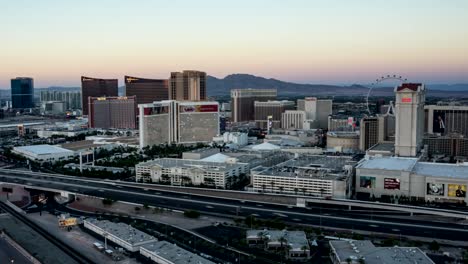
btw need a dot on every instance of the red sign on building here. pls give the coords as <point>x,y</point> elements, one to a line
<point>406,100</point>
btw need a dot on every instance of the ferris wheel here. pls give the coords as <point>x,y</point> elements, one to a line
<point>377,83</point>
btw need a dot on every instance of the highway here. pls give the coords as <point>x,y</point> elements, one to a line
<point>379,221</point>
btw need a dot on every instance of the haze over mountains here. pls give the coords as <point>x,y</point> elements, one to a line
<point>222,86</point>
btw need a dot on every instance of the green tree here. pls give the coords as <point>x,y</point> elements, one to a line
<point>434,246</point>
<point>191,214</point>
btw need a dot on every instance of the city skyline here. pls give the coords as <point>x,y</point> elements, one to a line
<point>301,41</point>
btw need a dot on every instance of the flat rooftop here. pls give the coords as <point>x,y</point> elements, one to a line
<point>43,149</point>
<point>383,146</point>
<point>122,231</point>
<point>187,163</point>
<point>388,163</point>
<point>316,166</point>
<point>442,170</point>
<point>175,254</point>
<point>80,145</point>
<point>376,255</point>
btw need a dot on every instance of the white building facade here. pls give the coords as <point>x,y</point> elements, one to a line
<point>182,172</point>
<point>183,122</point>
<point>409,127</point>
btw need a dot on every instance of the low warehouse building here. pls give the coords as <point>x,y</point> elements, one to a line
<point>163,252</point>
<point>364,251</point>
<point>43,153</point>
<point>121,234</point>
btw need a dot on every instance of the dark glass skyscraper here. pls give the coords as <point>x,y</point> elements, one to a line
<point>92,87</point>
<point>146,90</point>
<point>22,92</point>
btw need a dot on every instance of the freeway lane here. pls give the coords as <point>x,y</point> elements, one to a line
<point>45,180</point>
<point>76,183</point>
<point>238,208</point>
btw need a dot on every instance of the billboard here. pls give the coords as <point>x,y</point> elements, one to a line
<point>392,184</point>
<point>439,122</point>
<point>406,99</point>
<point>457,190</point>
<point>367,182</point>
<point>435,189</point>
<point>198,108</point>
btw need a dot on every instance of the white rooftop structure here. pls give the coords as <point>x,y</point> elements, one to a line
<point>389,163</point>
<point>442,169</point>
<point>218,157</point>
<point>266,146</point>
<point>43,149</point>
<point>165,252</point>
<point>122,234</point>
<point>43,152</point>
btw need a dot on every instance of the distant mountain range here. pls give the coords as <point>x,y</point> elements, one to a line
<point>221,87</point>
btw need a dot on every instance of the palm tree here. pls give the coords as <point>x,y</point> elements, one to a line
<point>281,188</point>
<point>296,190</point>
<point>304,190</point>
<point>272,183</point>
<point>282,241</point>
<point>304,249</point>
<point>263,187</point>
<point>348,260</point>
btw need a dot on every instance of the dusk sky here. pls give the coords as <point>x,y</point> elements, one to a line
<point>333,41</point>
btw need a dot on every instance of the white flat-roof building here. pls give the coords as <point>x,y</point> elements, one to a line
<point>163,252</point>
<point>364,251</point>
<point>186,172</point>
<point>122,234</point>
<point>43,153</point>
<point>308,175</point>
<point>397,176</point>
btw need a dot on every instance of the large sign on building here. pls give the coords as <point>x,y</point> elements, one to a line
<point>198,108</point>
<point>367,182</point>
<point>457,190</point>
<point>392,184</point>
<point>436,189</point>
<point>439,122</point>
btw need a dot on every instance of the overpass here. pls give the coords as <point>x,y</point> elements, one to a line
<point>325,215</point>
<point>283,199</point>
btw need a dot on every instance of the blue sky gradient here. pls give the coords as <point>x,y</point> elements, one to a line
<point>302,41</point>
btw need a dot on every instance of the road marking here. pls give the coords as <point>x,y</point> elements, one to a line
<point>373,225</point>
<point>281,215</point>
